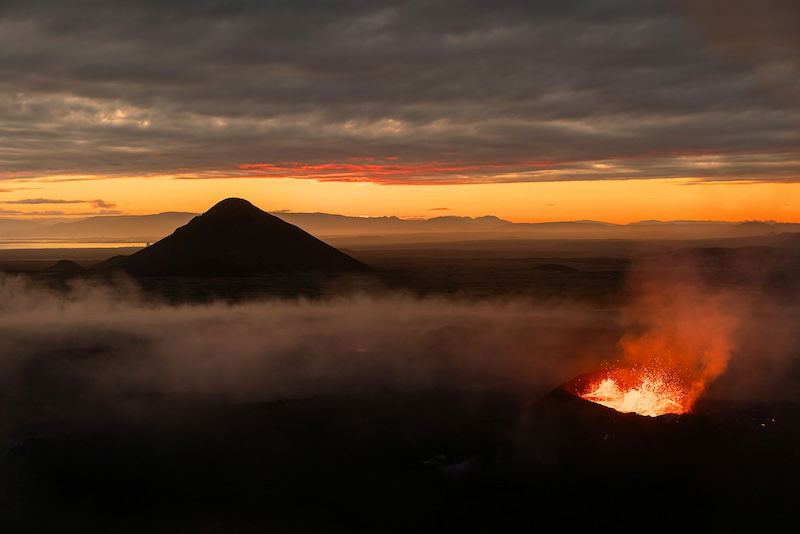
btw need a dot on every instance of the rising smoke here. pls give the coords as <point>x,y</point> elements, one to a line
<point>95,343</point>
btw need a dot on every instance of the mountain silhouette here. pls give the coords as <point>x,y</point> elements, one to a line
<point>64,267</point>
<point>235,238</point>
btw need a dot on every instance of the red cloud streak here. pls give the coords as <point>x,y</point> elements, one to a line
<point>434,172</point>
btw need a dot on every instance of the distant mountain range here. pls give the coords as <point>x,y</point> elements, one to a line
<point>150,228</point>
<point>101,228</point>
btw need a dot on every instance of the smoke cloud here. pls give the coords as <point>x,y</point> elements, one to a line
<point>676,323</point>
<point>95,343</point>
<point>722,322</point>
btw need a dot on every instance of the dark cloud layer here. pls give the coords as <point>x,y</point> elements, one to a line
<point>413,91</point>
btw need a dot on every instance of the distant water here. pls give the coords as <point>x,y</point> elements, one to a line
<point>10,244</point>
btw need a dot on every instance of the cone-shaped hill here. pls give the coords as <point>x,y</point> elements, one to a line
<point>64,267</point>
<point>235,238</point>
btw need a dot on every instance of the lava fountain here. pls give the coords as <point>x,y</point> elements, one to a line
<point>642,390</point>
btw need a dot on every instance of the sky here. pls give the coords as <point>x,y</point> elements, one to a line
<point>534,110</point>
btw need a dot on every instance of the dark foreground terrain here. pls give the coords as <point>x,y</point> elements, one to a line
<point>429,461</point>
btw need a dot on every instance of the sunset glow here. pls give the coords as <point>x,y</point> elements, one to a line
<point>618,201</point>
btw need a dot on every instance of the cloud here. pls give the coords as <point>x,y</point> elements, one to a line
<point>103,206</point>
<point>43,201</point>
<point>71,213</point>
<point>100,203</point>
<point>46,213</point>
<point>439,209</point>
<point>763,36</point>
<point>419,92</point>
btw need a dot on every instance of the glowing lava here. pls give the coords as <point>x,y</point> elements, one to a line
<point>633,390</point>
<point>679,335</point>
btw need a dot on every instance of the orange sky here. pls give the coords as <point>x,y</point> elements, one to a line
<point>607,200</point>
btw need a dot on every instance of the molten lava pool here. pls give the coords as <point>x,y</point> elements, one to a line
<point>643,391</point>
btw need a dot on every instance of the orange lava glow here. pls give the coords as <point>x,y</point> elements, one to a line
<point>644,391</point>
